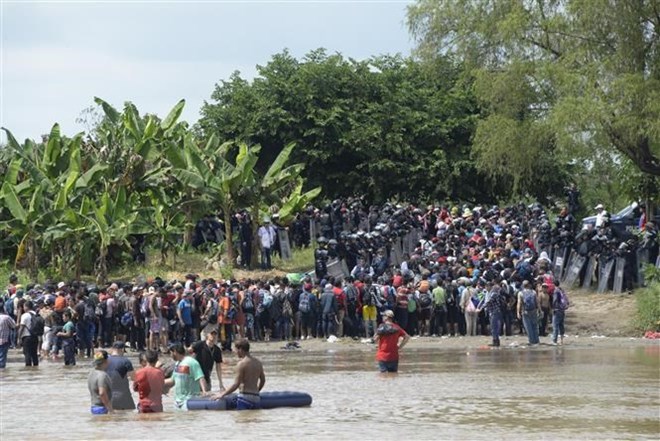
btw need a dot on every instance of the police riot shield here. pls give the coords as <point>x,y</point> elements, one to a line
<point>589,273</point>
<point>344,268</point>
<point>335,269</point>
<point>657,262</point>
<point>618,274</point>
<point>572,274</point>
<point>560,259</point>
<point>397,252</point>
<point>642,258</point>
<point>405,243</point>
<point>569,262</point>
<point>604,274</point>
<point>285,246</point>
<point>312,232</point>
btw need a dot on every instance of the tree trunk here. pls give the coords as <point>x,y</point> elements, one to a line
<point>102,271</point>
<point>33,260</point>
<point>188,232</point>
<point>256,243</point>
<point>229,240</point>
<point>78,264</point>
<point>163,257</point>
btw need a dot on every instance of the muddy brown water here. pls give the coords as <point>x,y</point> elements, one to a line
<point>513,393</point>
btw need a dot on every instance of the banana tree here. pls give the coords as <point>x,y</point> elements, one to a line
<point>111,222</point>
<point>208,173</point>
<point>167,225</point>
<point>28,223</point>
<point>296,202</point>
<point>37,173</point>
<point>274,186</point>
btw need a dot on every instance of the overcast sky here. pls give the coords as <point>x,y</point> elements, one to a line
<point>56,56</point>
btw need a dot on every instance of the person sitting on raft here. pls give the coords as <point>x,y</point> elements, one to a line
<point>250,378</point>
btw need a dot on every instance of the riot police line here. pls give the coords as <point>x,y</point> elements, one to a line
<point>438,239</point>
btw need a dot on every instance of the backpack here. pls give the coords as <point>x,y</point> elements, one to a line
<point>287,309</point>
<point>470,306</point>
<point>9,306</point>
<point>126,319</point>
<point>529,300</point>
<point>233,307</point>
<point>101,309</point>
<point>525,270</point>
<point>144,306</point>
<point>268,299</point>
<point>369,296</point>
<point>351,297</point>
<point>37,325</point>
<point>212,316</point>
<point>425,300</point>
<point>248,303</point>
<point>412,303</point>
<point>562,302</point>
<point>303,305</point>
<point>90,312</point>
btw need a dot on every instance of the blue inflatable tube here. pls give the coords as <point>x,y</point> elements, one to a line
<point>269,400</point>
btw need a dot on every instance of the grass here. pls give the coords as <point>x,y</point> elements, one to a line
<point>647,317</point>
<point>189,262</point>
<point>302,261</point>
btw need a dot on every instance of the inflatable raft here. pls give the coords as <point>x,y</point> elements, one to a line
<point>269,400</point>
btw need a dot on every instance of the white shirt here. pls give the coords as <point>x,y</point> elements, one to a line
<point>26,320</point>
<point>266,234</point>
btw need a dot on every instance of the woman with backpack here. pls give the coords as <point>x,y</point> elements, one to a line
<point>469,305</point>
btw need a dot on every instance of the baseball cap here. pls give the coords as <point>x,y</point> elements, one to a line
<point>119,345</point>
<point>388,313</point>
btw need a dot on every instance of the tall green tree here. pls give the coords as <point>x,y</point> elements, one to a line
<point>572,80</point>
<point>384,127</point>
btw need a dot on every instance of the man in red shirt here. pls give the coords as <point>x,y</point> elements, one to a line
<point>390,338</point>
<point>341,306</point>
<point>149,383</point>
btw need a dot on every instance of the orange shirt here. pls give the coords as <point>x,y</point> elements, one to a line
<point>60,303</point>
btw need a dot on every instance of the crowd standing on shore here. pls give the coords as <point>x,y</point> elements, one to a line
<point>472,272</point>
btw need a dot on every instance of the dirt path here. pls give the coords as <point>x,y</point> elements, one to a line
<point>606,314</point>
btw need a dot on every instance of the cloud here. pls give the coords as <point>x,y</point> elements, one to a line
<point>44,85</point>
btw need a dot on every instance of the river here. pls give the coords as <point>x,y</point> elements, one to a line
<point>513,393</point>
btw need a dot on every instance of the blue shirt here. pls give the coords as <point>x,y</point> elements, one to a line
<point>186,311</point>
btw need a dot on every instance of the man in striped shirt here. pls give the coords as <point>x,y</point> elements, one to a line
<point>495,305</point>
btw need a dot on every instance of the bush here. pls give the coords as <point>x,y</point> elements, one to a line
<point>647,317</point>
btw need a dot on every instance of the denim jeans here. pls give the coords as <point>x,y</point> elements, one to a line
<point>495,326</point>
<point>84,338</point>
<point>284,328</point>
<point>69,349</point>
<point>557,324</point>
<point>328,325</point>
<point>4,348</point>
<point>388,366</point>
<point>531,323</point>
<point>265,258</point>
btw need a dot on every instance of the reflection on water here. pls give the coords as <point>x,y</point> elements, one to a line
<point>546,392</point>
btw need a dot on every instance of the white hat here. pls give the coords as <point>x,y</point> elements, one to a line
<point>61,285</point>
<point>388,313</point>
<point>599,207</point>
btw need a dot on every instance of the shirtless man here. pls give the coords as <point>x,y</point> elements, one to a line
<point>250,378</point>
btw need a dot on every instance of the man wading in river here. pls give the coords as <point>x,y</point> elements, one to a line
<point>390,338</point>
<point>250,378</point>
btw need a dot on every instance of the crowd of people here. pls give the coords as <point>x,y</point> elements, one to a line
<point>467,271</point>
